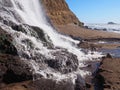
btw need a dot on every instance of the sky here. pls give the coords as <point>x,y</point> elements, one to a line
<point>96,11</point>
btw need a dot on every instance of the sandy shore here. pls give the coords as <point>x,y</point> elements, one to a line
<point>91,37</point>
<point>85,33</point>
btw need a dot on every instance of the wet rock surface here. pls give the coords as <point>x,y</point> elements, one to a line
<point>33,31</point>
<point>6,45</point>
<point>64,62</point>
<point>101,45</point>
<point>13,69</point>
<point>42,84</point>
<point>108,75</point>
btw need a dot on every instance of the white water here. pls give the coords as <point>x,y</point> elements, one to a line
<point>109,27</point>
<point>31,12</point>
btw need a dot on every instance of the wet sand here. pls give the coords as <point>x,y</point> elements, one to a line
<point>86,33</point>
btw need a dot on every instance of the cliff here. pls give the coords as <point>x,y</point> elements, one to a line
<point>59,12</point>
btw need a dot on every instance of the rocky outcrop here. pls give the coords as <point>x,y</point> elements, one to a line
<point>111,23</point>
<point>64,62</point>
<point>6,45</point>
<point>13,69</point>
<point>108,75</point>
<point>59,12</point>
<point>42,84</point>
<point>17,74</point>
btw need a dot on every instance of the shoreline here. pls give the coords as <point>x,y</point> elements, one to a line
<point>92,39</point>
<point>86,34</point>
<point>108,69</point>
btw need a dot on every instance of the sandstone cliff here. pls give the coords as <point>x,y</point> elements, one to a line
<point>59,12</point>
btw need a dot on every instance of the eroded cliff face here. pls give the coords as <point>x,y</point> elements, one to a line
<point>59,12</point>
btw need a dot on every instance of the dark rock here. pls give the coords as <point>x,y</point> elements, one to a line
<point>18,28</point>
<point>108,56</point>
<point>13,69</point>
<point>33,31</point>
<point>64,62</point>
<point>11,77</point>
<point>75,38</point>
<point>7,22</point>
<point>99,82</point>
<point>104,29</point>
<point>79,83</point>
<point>88,85</point>
<point>107,86</point>
<point>49,84</point>
<point>6,45</point>
<point>111,23</point>
<point>42,36</point>
<point>41,84</point>
<point>86,27</point>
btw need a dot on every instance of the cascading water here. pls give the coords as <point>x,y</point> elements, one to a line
<point>25,20</point>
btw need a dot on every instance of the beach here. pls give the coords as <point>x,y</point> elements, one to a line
<point>106,76</point>
<point>45,46</point>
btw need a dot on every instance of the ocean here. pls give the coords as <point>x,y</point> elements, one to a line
<point>105,27</point>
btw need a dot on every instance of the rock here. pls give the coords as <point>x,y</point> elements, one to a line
<point>49,84</point>
<point>107,86</point>
<point>6,45</point>
<point>88,45</point>
<point>111,23</point>
<point>42,84</point>
<point>79,83</point>
<point>88,85</point>
<point>99,82</point>
<point>75,38</point>
<point>104,29</point>
<point>34,31</point>
<point>13,69</point>
<point>64,62</point>
<point>107,75</point>
<point>59,13</point>
<point>86,27</point>
<point>108,56</point>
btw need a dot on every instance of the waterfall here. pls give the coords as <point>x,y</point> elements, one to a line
<point>25,20</point>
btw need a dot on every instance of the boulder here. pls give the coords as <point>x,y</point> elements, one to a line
<point>6,45</point>
<point>13,69</point>
<point>64,62</point>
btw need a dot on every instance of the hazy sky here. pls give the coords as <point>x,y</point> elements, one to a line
<point>96,11</point>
